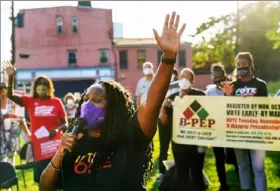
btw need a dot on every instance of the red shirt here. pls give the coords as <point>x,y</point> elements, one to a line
<point>44,112</point>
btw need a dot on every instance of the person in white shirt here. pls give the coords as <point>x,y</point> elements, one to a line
<point>218,75</point>
<point>144,83</point>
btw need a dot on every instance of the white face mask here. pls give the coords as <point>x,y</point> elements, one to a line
<point>172,77</point>
<point>70,102</point>
<point>147,71</point>
<point>184,84</point>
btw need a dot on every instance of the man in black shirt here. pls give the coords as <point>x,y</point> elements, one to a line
<point>188,158</point>
<point>164,130</point>
<point>113,151</point>
<point>248,85</point>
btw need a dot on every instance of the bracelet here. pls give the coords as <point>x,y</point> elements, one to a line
<point>168,61</point>
<point>53,167</point>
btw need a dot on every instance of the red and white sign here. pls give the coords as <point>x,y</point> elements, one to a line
<point>45,148</point>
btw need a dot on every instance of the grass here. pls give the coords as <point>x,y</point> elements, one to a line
<point>273,87</point>
<point>272,169</point>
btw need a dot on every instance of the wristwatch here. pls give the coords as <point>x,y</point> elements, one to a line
<point>167,61</point>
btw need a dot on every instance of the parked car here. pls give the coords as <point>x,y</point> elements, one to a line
<point>277,94</point>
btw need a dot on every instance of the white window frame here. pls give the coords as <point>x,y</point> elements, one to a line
<point>59,23</point>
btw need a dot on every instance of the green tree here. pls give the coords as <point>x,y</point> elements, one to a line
<point>219,48</point>
<point>274,33</point>
<point>257,34</point>
<point>254,27</point>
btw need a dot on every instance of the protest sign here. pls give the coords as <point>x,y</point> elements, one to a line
<point>173,88</point>
<point>233,122</point>
<point>45,148</point>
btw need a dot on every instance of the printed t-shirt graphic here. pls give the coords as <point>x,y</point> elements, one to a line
<point>254,87</point>
<point>44,116</point>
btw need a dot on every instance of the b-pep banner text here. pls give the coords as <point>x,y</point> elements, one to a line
<point>233,122</point>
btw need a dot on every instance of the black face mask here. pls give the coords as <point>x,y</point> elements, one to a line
<point>218,83</point>
<point>243,71</point>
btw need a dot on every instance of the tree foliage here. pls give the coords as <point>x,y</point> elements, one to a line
<point>257,34</point>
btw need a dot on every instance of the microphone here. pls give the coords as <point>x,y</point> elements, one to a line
<point>78,125</point>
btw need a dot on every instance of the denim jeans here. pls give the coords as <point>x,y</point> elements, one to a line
<point>258,159</point>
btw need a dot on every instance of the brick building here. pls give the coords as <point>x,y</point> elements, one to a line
<point>72,45</point>
<point>133,52</point>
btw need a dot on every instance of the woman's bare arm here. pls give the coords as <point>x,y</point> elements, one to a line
<point>169,42</point>
<point>10,90</point>
<point>49,177</point>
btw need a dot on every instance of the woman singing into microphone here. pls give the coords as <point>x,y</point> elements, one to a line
<point>114,151</point>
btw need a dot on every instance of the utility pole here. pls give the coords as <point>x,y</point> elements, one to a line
<point>113,48</point>
<point>13,40</point>
<point>237,29</point>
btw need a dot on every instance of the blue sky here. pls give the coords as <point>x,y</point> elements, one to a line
<point>138,17</point>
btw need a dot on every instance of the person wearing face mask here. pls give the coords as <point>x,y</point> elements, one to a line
<point>174,76</point>
<point>45,111</point>
<point>113,152</point>
<point>69,100</point>
<point>165,130</point>
<point>188,159</point>
<point>247,84</point>
<point>218,75</point>
<point>144,83</point>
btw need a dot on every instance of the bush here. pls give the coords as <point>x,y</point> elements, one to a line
<point>273,87</point>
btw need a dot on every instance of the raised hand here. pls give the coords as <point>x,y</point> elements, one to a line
<point>9,68</point>
<point>227,88</point>
<point>169,41</point>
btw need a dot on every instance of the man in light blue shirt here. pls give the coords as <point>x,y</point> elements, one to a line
<point>218,75</point>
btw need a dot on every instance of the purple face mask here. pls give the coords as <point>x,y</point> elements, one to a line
<point>94,116</point>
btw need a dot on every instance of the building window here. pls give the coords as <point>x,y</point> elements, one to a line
<point>159,54</point>
<point>103,56</point>
<point>59,25</point>
<point>75,25</point>
<point>72,58</point>
<point>182,58</point>
<point>141,58</point>
<point>20,20</point>
<point>123,59</point>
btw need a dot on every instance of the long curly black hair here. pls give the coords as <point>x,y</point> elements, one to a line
<point>119,109</point>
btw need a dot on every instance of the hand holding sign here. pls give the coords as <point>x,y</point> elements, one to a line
<point>227,88</point>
